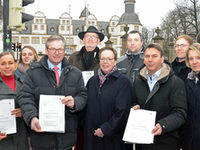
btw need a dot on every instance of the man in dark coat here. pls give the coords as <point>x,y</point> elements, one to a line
<point>42,79</point>
<point>156,88</point>
<point>87,59</point>
<point>130,63</point>
<point>182,45</point>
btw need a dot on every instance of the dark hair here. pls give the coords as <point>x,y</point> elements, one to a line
<point>156,46</point>
<point>110,49</point>
<point>34,53</point>
<point>7,53</point>
<point>54,38</point>
<point>134,32</point>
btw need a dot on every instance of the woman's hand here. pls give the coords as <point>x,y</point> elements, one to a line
<point>16,112</point>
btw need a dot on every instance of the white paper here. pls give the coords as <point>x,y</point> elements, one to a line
<point>139,127</point>
<point>52,113</point>
<point>87,75</point>
<point>7,121</point>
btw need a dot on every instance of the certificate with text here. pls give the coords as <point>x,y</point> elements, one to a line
<point>7,121</point>
<point>52,113</point>
<point>139,127</point>
<point>87,75</point>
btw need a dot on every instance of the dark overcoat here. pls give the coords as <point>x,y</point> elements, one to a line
<point>40,79</point>
<point>168,99</point>
<point>192,125</point>
<point>17,141</point>
<point>107,109</point>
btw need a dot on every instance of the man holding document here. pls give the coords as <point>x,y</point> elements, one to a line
<point>52,94</point>
<point>156,88</point>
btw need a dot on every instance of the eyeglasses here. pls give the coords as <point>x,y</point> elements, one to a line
<point>181,46</point>
<point>106,59</point>
<point>56,50</point>
<point>91,37</point>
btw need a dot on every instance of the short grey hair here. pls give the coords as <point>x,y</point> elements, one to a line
<point>55,38</point>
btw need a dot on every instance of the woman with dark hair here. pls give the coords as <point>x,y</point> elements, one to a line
<point>27,55</point>
<point>109,101</point>
<point>10,86</point>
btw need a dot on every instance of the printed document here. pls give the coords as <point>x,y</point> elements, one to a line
<point>87,75</point>
<point>52,113</point>
<point>7,121</point>
<point>139,127</point>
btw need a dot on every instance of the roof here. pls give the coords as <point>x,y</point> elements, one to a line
<point>85,12</point>
<point>129,18</point>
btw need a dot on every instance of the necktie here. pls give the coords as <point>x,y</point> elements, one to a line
<point>57,75</point>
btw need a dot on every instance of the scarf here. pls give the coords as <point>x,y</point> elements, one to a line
<point>21,68</point>
<point>103,76</point>
<point>89,57</point>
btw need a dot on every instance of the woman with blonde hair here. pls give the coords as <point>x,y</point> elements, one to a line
<point>192,125</point>
<point>27,55</point>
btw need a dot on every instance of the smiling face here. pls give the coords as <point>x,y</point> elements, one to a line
<point>91,40</point>
<point>194,60</point>
<point>27,56</point>
<point>55,52</point>
<point>7,65</point>
<point>153,60</point>
<point>107,61</point>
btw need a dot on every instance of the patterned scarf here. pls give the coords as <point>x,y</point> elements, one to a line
<point>21,68</point>
<point>102,76</point>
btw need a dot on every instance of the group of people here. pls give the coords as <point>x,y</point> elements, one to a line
<point>140,79</point>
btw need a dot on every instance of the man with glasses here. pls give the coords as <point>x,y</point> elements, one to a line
<point>87,59</point>
<point>53,75</point>
<point>182,44</point>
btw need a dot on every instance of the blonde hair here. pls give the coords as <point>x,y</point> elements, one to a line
<point>194,47</point>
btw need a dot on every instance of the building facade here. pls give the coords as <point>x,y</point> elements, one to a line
<point>40,28</point>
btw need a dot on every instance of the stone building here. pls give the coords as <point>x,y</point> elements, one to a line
<point>40,28</point>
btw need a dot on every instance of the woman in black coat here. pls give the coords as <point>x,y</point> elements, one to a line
<point>109,101</point>
<point>10,86</point>
<point>192,126</point>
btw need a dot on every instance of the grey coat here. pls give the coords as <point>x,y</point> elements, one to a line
<point>17,141</point>
<point>39,79</point>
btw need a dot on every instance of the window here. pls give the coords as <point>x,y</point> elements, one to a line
<point>37,20</point>
<point>121,28</point>
<point>63,21</point>
<point>113,23</point>
<point>41,20</point>
<point>25,40</point>
<point>68,28</point>
<point>42,27</point>
<point>69,41</point>
<point>44,40</point>
<point>35,27</point>
<point>68,22</point>
<point>111,29</point>
<point>62,28</point>
<point>136,28</point>
<point>114,41</point>
<point>15,39</point>
<point>35,40</point>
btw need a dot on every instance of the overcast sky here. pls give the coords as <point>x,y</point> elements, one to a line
<point>150,11</point>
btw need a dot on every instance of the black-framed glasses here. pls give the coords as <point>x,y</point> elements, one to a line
<point>60,50</point>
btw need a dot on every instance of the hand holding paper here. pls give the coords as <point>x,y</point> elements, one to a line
<point>68,101</point>
<point>35,125</point>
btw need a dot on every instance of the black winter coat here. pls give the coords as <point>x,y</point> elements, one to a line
<point>39,79</point>
<point>192,125</point>
<point>168,99</point>
<point>107,109</point>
